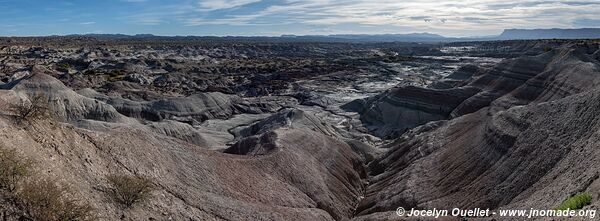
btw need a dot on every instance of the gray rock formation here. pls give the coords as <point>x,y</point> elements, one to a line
<point>533,147</point>
<point>458,78</point>
<point>526,79</point>
<point>393,112</point>
<point>225,134</point>
<point>181,131</point>
<point>581,33</point>
<point>65,103</point>
<point>287,118</point>
<point>321,179</point>
<point>192,109</point>
<point>138,78</point>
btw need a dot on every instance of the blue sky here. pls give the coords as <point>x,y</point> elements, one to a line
<point>302,17</point>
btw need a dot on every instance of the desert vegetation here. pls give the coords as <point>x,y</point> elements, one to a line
<point>13,168</point>
<point>129,190</point>
<point>576,202</point>
<point>33,197</point>
<point>36,108</point>
<point>45,199</point>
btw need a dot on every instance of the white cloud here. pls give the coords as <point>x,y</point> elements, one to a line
<point>234,20</point>
<point>211,5</point>
<point>442,15</point>
<point>450,17</point>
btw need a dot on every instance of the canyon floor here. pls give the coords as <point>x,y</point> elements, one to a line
<point>258,130</point>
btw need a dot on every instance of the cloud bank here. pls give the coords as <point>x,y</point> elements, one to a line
<point>273,17</point>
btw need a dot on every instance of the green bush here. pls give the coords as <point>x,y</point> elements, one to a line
<point>44,199</point>
<point>13,169</point>
<point>35,198</point>
<point>576,202</point>
<point>129,190</point>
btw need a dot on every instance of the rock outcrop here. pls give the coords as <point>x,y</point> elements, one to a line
<point>191,109</point>
<point>521,151</point>
<point>401,108</point>
<point>458,78</point>
<point>287,118</point>
<point>308,177</point>
<point>65,103</point>
<point>311,175</point>
<point>544,77</point>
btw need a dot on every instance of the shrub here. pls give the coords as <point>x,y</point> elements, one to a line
<point>36,199</point>
<point>576,202</point>
<point>13,169</point>
<point>129,190</point>
<point>44,199</point>
<point>63,67</point>
<point>37,108</point>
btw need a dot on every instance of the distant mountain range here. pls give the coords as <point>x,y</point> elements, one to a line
<point>414,37</point>
<point>583,33</point>
<point>508,34</point>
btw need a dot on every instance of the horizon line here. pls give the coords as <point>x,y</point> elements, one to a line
<point>292,35</point>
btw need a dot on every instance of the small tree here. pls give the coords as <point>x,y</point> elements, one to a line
<point>36,108</point>
<point>129,190</point>
<point>13,169</point>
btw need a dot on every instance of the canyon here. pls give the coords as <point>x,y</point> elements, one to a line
<point>259,130</point>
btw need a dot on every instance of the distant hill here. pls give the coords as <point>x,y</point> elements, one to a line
<point>508,34</point>
<point>582,33</point>
<point>413,37</point>
<point>115,36</point>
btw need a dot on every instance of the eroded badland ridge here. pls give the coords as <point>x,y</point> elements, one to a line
<point>300,130</point>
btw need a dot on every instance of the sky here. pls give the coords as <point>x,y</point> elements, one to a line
<point>453,18</point>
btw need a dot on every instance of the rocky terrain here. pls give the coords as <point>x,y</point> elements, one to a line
<point>243,130</point>
<point>525,140</point>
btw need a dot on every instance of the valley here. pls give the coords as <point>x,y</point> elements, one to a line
<point>298,130</point>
